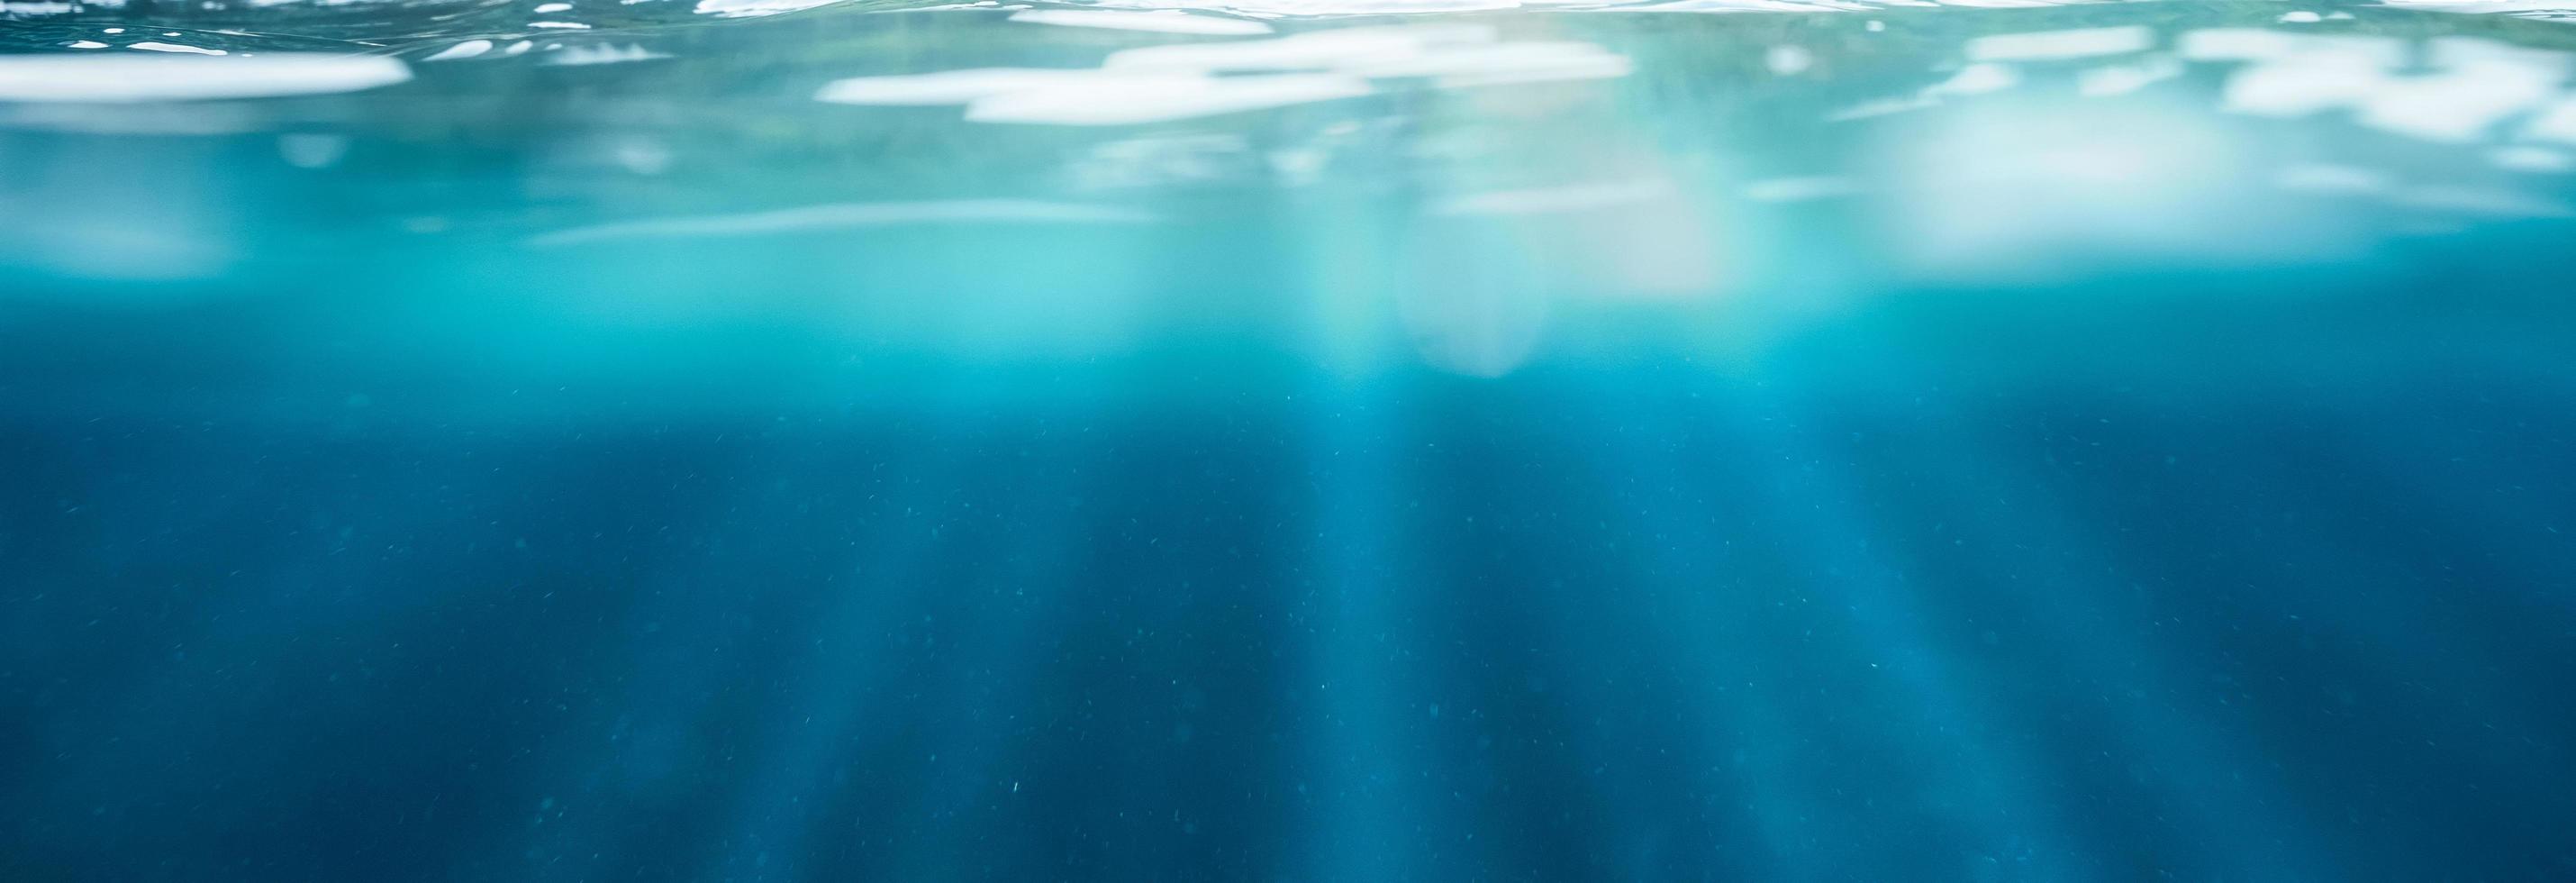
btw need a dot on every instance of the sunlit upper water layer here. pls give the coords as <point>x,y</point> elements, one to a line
<point>1326,440</point>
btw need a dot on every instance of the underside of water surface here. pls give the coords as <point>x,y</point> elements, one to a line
<point>1287,440</point>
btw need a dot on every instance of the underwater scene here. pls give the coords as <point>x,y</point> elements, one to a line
<point>1287,440</point>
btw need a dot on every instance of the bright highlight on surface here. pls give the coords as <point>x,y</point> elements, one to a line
<point>1188,80</point>
<point>126,79</point>
<point>1155,22</point>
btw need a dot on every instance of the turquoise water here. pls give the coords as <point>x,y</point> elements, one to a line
<point>1324,440</point>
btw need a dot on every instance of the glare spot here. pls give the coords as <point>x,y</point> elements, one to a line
<point>151,46</point>
<point>1788,60</point>
<point>467,49</point>
<point>311,151</point>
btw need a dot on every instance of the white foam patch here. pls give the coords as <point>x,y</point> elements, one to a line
<point>133,78</point>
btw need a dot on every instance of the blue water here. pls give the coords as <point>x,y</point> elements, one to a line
<point>1314,440</point>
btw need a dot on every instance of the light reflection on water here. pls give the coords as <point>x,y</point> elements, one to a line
<point>773,439</point>
<point>1997,157</point>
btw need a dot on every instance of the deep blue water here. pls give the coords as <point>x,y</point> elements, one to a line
<point>1824,442</point>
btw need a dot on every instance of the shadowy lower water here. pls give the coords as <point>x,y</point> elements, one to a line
<point>1322,440</point>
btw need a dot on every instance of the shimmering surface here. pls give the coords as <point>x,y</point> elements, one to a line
<point>1294,440</point>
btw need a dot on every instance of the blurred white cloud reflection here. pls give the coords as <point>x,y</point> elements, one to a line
<point>2018,176</point>
<point>2450,89</point>
<point>2012,188</point>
